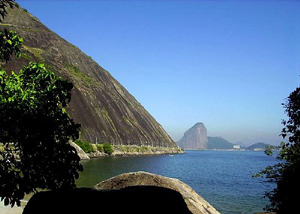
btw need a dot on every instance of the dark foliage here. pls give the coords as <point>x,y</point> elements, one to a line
<point>10,43</point>
<point>286,174</point>
<point>107,148</point>
<point>35,130</point>
<point>34,126</point>
<point>85,146</point>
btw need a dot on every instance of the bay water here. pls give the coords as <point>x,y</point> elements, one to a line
<point>223,178</point>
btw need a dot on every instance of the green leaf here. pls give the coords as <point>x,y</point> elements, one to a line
<point>37,121</point>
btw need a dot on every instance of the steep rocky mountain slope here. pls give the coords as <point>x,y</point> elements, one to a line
<point>195,138</point>
<point>104,108</point>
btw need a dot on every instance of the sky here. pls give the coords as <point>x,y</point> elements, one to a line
<point>228,64</point>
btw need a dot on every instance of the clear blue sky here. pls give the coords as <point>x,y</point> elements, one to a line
<point>228,64</point>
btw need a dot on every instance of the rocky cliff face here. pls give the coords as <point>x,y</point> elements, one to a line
<point>104,108</point>
<point>195,138</point>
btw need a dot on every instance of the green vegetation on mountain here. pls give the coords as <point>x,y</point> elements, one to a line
<point>107,148</point>
<point>85,146</point>
<point>90,148</point>
<point>218,143</point>
<point>260,146</point>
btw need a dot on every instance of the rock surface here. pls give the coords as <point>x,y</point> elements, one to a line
<point>80,152</point>
<point>194,202</point>
<point>138,192</point>
<point>195,138</point>
<point>130,200</point>
<point>104,108</point>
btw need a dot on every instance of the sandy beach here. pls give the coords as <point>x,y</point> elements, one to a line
<point>9,210</point>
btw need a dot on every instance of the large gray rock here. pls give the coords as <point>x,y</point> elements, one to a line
<point>133,200</point>
<point>195,138</point>
<point>80,152</point>
<point>194,202</point>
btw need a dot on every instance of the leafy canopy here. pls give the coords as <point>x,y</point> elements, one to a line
<point>10,43</point>
<point>35,130</point>
<point>34,126</point>
<point>107,148</point>
<point>286,174</point>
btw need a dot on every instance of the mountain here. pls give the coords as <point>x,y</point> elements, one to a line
<point>195,138</point>
<point>218,143</point>
<point>258,146</point>
<point>104,108</point>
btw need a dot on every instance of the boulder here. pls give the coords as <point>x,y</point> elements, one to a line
<point>133,193</point>
<point>133,200</point>
<point>194,202</point>
<point>81,153</point>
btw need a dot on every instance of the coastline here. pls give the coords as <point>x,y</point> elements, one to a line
<point>133,150</point>
<point>15,210</point>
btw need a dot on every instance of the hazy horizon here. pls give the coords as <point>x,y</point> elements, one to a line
<point>228,64</point>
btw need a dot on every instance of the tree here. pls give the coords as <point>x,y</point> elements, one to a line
<point>34,127</point>
<point>10,42</point>
<point>107,148</point>
<point>286,174</point>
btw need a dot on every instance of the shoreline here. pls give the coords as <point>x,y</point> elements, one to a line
<point>12,210</point>
<point>133,150</point>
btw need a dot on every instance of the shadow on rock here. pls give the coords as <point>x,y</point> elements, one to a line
<point>137,199</point>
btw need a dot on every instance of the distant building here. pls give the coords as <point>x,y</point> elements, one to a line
<point>236,147</point>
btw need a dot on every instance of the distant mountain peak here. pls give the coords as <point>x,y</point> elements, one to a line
<point>194,138</point>
<point>258,146</point>
<point>199,124</point>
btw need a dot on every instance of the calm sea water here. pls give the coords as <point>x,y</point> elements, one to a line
<point>223,178</point>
